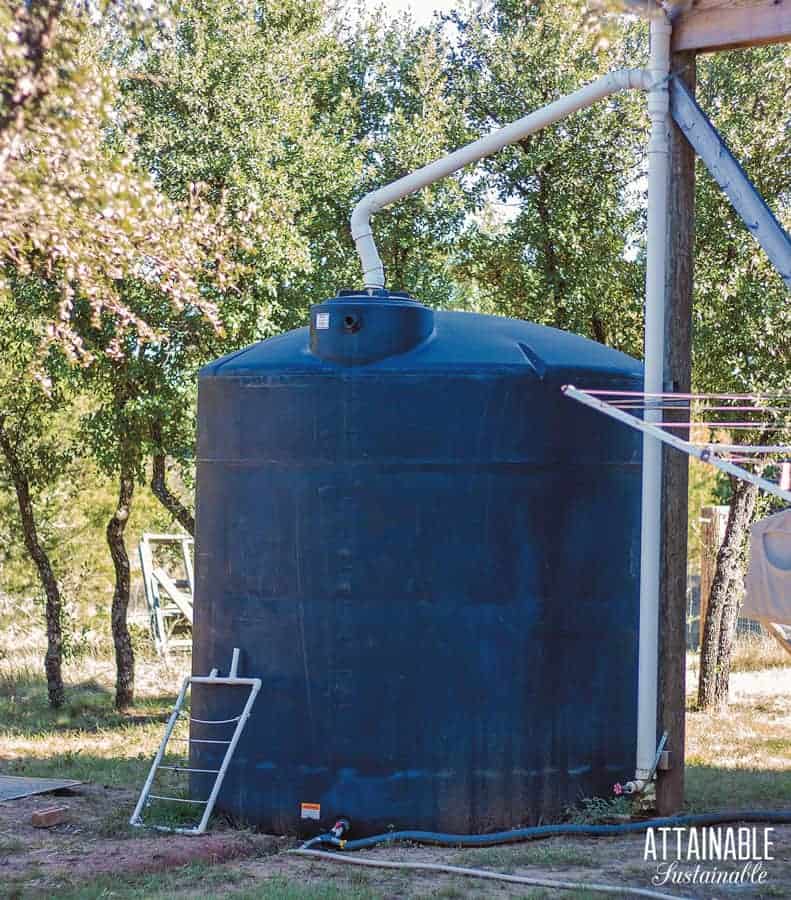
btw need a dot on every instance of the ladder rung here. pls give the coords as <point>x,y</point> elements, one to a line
<point>215,721</point>
<point>239,722</point>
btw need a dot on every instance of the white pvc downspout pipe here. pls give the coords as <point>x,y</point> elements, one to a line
<point>654,81</point>
<point>373,270</point>
<point>655,278</point>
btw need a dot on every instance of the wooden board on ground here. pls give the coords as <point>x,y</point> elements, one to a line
<point>12,787</point>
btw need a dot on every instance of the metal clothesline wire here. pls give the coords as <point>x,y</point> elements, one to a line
<point>631,404</point>
<point>596,399</point>
<point>746,461</point>
<point>762,451</point>
<point>674,396</point>
<point>744,448</point>
<point>717,408</point>
<point>737,426</point>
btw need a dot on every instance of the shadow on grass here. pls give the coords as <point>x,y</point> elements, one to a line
<point>109,771</point>
<point>25,710</point>
<point>87,739</point>
<point>712,787</point>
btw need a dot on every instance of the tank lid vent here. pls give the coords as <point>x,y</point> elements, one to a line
<point>363,326</point>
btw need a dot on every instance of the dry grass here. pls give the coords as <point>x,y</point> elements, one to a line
<point>87,739</point>
<point>754,652</point>
<point>741,758</point>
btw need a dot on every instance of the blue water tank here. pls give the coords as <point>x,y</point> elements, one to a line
<point>431,558</point>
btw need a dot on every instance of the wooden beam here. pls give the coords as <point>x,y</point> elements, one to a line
<point>707,25</point>
<point>677,377</point>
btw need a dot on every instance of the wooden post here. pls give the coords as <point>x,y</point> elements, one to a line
<point>678,372</point>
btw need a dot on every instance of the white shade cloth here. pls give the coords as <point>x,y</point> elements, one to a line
<point>768,581</point>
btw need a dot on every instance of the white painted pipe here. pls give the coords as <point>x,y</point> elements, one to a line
<point>653,80</point>
<point>578,887</point>
<point>234,664</point>
<point>373,270</point>
<point>651,524</point>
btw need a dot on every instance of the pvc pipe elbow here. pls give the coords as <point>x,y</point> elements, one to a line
<point>635,787</point>
<point>650,11</point>
<point>361,219</point>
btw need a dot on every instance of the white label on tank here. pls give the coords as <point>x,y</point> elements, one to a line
<point>311,810</point>
<point>322,321</point>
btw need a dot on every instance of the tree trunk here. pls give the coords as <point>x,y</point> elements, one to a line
<point>730,613</point>
<point>722,609</point>
<point>551,262</point>
<point>124,655</point>
<point>168,499</point>
<point>53,658</point>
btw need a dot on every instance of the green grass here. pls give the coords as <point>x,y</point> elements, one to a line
<point>774,890</point>
<point>201,881</point>
<point>541,853</point>
<point>198,879</point>
<point>709,787</point>
<point>10,844</point>
<point>450,892</point>
<point>279,888</point>
<point>738,759</point>
<point>87,739</point>
<point>741,759</point>
<point>776,745</point>
<point>597,810</point>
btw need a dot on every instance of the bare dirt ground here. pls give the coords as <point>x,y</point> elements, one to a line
<point>73,859</point>
<point>739,759</point>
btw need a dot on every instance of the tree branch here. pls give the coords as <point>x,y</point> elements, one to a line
<point>166,497</point>
<point>36,23</point>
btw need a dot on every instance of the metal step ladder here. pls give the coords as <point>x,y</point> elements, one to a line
<point>213,679</point>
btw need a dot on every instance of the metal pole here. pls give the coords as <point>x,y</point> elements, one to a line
<point>732,178</point>
<point>234,663</point>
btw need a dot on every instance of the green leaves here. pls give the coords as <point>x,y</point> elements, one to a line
<point>77,210</point>
<point>560,244</point>
<point>742,313</point>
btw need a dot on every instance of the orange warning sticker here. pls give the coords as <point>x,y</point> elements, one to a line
<point>310,811</point>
